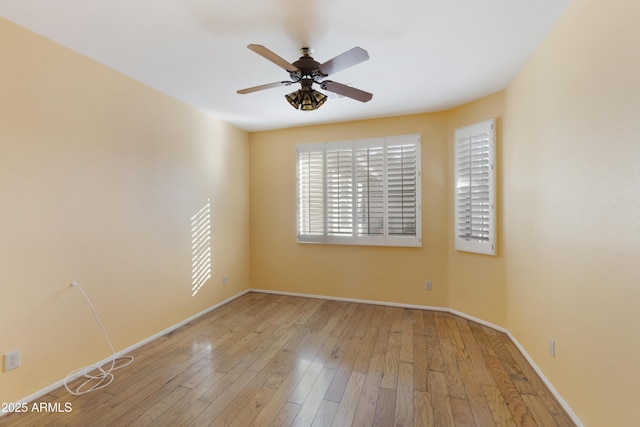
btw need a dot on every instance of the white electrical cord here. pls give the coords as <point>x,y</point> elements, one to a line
<point>103,377</point>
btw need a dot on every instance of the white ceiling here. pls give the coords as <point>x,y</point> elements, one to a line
<point>425,55</point>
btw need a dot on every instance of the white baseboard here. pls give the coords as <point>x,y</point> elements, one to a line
<point>360,301</point>
<point>128,350</point>
<point>555,393</point>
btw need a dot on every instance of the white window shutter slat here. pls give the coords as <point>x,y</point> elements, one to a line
<point>402,196</point>
<point>370,210</point>
<point>339,182</point>
<point>310,195</point>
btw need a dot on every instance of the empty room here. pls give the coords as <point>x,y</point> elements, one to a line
<point>320,213</point>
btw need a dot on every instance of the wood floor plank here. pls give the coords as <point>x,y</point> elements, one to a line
<point>403,416</point>
<point>299,394</point>
<point>385,408</point>
<point>478,332</point>
<point>420,364</point>
<point>286,415</point>
<point>461,411</point>
<point>184,412</point>
<point>325,415</point>
<point>364,320</point>
<point>279,360</point>
<point>338,351</point>
<point>348,327</point>
<point>313,400</point>
<point>338,384</point>
<point>382,339</point>
<point>456,339</point>
<point>262,357</point>
<point>343,374</point>
<point>238,403</point>
<point>475,395</point>
<point>211,391</point>
<point>215,408</point>
<point>366,411</point>
<point>476,358</point>
<point>516,405</point>
<point>368,342</point>
<point>442,412</point>
<point>418,322</point>
<point>211,384</point>
<point>253,407</point>
<point>326,351</point>
<point>271,409</point>
<point>406,341</point>
<point>391,362</point>
<point>501,413</point>
<point>540,414</point>
<point>349,403</point>
<point>438,383</point>
<point>279,367</point>
<point>455,383</point>
<point>396,321</point>
<point>330,318</point>
<point>422,409</point>
<point>346,319</point>
<point>434,355</point>
<point>149,416</point>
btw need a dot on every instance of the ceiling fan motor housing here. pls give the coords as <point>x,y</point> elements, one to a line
<point>307,66</point>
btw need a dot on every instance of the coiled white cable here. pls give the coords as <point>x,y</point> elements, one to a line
<point>103,377</point>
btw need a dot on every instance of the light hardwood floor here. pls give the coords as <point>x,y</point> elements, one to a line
<point>269,360</point>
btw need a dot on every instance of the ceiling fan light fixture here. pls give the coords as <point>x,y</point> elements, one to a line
<point>294,99</point>
<point>306,100</point>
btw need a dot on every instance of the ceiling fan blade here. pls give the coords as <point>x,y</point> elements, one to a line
<point>267,54</point>
<point>344,60</point>
<point>348,91</point>
<point>263,87</point>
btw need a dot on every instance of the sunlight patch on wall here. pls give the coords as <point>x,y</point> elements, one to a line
<point>200,248</point>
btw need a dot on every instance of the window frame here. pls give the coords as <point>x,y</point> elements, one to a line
<point>484,240</point>
<point>356,237</point>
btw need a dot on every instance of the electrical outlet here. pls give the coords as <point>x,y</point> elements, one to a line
<point>427,285</point>
<point>225,280</point>
<point>552,347</point>
<point>11,360</point>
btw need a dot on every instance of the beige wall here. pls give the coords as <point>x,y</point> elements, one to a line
<point>99,177</point>
<point>476,282</point>
<point>372,273</point>
<point>571,178</point>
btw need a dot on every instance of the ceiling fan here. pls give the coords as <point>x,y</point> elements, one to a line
<point>308,71</point>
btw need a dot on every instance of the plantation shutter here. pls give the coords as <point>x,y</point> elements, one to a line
<point>363,192</point>
<point>339,184</point>
<point>370,191</point>
<point>402,181</point>
<point>475,188</point>
<point>310,193</point>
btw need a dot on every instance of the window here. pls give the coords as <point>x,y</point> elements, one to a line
<point>474,196</point>
<point>362,192</point>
